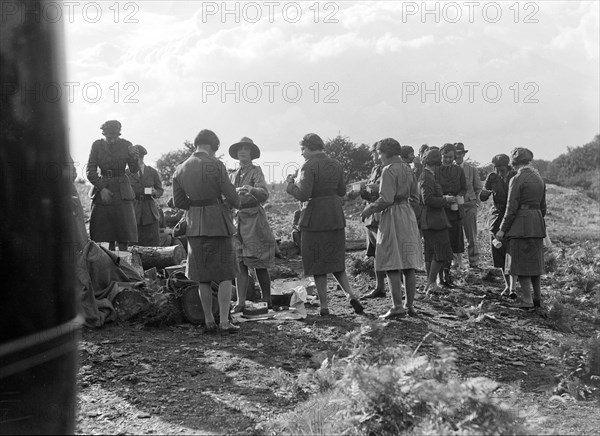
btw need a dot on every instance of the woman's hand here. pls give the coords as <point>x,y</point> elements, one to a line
<point>367,212</point>
<point>106,195</point>
<point>500,235</point>
<point>290,179</point>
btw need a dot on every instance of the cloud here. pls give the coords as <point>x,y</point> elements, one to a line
<point>388,43</point>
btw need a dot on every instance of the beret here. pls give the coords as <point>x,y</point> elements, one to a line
<point>500,160</point>
<point>521,156</point>
<point>111,126</point>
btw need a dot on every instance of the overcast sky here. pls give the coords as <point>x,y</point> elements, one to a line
<point>493,75</point>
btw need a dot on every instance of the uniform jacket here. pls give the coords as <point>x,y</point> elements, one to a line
<point>371,195</point>
<point>433,213</point>
<point>321,185</point>
<point>526,206</point>
<point>251,175</point>
<point>453,182</point>
<point>474,184</point>
<point>499,188</point>
<point>146,210</point>
<point>112,160</point>
<point>204,178</point>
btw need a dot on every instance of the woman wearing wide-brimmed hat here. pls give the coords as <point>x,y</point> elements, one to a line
<point>398,251</point>
<point>255,242</point>
<point>322,223</point>
<point>524,228</point>
<point>112,217</point>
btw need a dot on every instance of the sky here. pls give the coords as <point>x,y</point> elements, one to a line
<point>493,75</point>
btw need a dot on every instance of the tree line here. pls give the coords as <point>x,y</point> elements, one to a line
<point>579,167</point>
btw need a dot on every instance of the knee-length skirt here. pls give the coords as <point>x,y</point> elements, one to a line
<point>526,257</point>
<point>211,258</point>
<point>323,252</point>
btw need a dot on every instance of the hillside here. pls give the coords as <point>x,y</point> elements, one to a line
<point>272,378</point>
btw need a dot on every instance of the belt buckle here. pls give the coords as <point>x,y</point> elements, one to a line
<point>109,173</point>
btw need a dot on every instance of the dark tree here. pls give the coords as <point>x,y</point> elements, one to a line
<point>167,163</point>
<point>355,159</point>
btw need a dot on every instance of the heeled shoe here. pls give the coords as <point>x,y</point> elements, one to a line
<point>358,308</point>
<point>394,314</point>
<point>375,293</point>
<point>231,328</point>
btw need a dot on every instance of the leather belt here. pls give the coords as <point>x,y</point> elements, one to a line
<point>400,200</point>
<point>249,205</point>
<point>112,173</point>
<point>207,202</point>
<point>324,193</point>
<point>529,206</point>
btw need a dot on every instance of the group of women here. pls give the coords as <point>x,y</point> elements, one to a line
<point>228,231</point>
<point>516,221</point>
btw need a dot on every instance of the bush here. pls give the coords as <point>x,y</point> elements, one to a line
<point>386,390</point>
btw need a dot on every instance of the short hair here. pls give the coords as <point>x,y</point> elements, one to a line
<point>207,137</point>
<point>447,148</point>
<point>423,148</point>
<point>389,147</point>
<point>373,147</point>
<point>406,151</point>
<point>313,142</point>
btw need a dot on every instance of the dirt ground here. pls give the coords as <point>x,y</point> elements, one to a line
<point>179,380</point>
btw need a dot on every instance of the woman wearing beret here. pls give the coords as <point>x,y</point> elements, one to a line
<point>254,239</point>
<point>112,216</point>
<point>433,220</point>
<point>147,186</point>
<point>322,223</point>
<point>496,184</point>
<point>524,228</point>
<point>199,185</point>
<point>398,250</point>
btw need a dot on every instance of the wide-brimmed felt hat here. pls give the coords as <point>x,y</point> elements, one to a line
<point>460,147</point>
<point>254,150</point>
<point>111,126</point>
<point>500,160</point>
<point>141,150</point>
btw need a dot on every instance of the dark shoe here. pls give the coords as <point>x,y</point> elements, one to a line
<point>513,295</point>
<point>375,293</point>
<point>393,314</point>
<point>448,284</point>
<point>210,328</point>
<point>412,312</point>
<point>238,308</point>
<point>231,328</point>
<point>357,306</point>
<point>324,312</point>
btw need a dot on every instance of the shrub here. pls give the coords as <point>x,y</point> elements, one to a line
<point>386,390</point>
